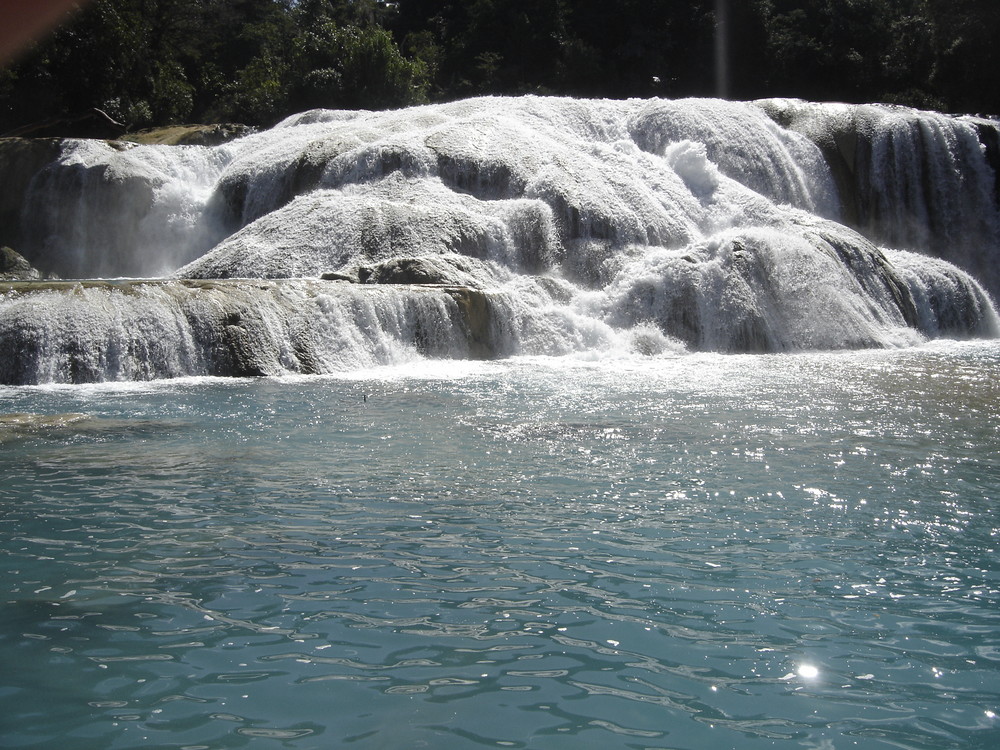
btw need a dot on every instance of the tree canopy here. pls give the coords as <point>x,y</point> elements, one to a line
<point>156,62</point>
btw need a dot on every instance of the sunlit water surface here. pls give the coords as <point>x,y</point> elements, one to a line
<point>685,552</point>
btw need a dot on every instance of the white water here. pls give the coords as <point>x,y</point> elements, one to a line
<point>107,210</point>
<point>147,331</point>
<point>591,226</point>
<point>921,179</point>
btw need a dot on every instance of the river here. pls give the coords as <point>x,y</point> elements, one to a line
<point>680,551</point>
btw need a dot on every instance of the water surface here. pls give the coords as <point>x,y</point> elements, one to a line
<point>677,552</point>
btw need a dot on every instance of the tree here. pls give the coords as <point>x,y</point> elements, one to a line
<point>145,62</point>
<point>966,53</point>
<point>349,66</point>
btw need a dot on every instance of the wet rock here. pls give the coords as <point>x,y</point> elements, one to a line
<point>478,317</point>
<point>14,267</point>
<point>339,276</point>
<point>20,160</point>
<point>451,270</point>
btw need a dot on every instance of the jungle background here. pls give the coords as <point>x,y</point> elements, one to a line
<point>143,63</point>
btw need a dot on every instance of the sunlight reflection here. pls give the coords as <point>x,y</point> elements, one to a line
<point>808,671</point>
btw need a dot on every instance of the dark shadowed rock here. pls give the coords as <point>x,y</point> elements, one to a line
<point>338,276</point>
<point>20,160</point>
<point>452,270</point>
<point>13,267</point>
<point>477,315</point>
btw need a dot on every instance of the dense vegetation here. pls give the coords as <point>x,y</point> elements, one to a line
<point>156,62</point>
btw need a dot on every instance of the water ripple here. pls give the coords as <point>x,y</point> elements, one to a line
<point>519,559</point>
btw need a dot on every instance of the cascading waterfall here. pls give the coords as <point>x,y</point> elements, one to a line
<point>920,181</point>
<point>88,332</point>
<point>505,226</point>
<point>104,209</point>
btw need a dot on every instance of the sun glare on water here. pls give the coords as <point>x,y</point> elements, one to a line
<point>807,671</point>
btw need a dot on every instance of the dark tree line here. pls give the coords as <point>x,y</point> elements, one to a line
<point>155,62</point>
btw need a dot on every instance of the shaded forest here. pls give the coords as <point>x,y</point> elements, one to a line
<point>130,64</point>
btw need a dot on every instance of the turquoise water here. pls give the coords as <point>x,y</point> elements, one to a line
<point>682,552</point>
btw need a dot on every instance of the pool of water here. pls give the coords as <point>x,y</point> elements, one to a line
<point>679,552</point>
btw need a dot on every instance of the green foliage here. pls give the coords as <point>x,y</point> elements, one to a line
<point>931,53</point>
<point>258,93</point>
<point>145,62</point>
<point>967,52</point>
<point>171,95</point>
<point>352,67</point>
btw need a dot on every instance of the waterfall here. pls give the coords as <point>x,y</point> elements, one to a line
<point>106,209</point>
<point>504,227</point>
<point>94,331</point>
<point>920,181</point>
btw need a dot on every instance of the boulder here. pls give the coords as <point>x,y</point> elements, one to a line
<point>442,270</point>
<point>338,276</point>
<point>13,267</point>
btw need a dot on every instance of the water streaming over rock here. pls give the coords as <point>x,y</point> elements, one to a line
<point>922,181</point>
<point>550,226</point>
<point>90,332</point>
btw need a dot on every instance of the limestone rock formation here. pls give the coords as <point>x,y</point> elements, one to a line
<point>452,269</point>
<point>13,267</point>
<point>189,135</point>
<point>498,227</point>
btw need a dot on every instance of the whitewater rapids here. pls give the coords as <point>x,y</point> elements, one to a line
<point>543,225</point>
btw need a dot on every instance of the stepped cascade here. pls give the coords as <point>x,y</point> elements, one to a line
<point>498,227</point>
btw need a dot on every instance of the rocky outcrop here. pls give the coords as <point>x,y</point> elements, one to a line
<point>922,181</point>
<point>478,318</point>
<point>837,139</point>
<point>451,269</point>
<point>350,240</point>
<point>189,135</point>
<point>350,278</point>
<point>21,159</point>
<point>93,331</point>
<point>13,267</point>
<point>81,208</point>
